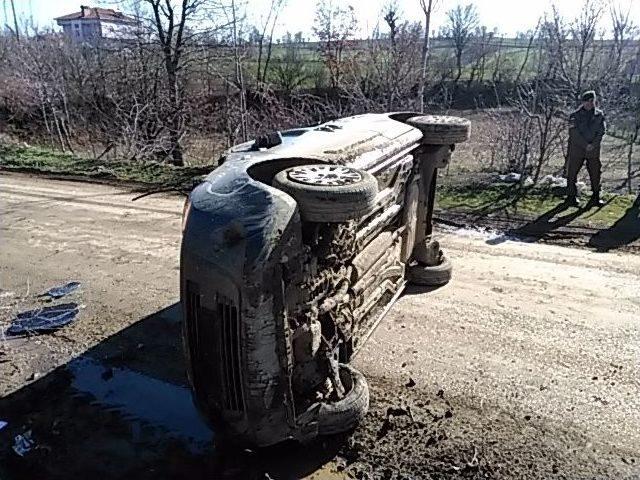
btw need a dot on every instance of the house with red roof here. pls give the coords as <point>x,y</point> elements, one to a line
<point>92,23</point>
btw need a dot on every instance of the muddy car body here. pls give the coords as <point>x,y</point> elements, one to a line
<point>293,249</point>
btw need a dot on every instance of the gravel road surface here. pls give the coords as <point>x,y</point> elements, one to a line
<point>527,365</point>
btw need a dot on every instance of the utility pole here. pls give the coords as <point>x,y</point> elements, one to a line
<point>15,21</point>
<point>427,8</point>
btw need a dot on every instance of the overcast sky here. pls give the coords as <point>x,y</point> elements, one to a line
<point>509,16</point>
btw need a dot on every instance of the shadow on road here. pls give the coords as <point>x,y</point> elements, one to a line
<point>624,232</point>
<point>413,289</point>
<point>123,410</point>
<point>549,221</point>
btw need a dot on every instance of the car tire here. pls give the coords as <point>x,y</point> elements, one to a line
<point>345,414</point>
<point>430,276</point>
<point>441,129</point>
<point>352,194</point>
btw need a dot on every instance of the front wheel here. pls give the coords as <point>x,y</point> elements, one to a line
<point>329,193</point>
<point>345,414</point>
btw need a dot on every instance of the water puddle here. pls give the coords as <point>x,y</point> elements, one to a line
<point>142,399</point>
<point>123,410</point>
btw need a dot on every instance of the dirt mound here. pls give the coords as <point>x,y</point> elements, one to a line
<point>409,434</point>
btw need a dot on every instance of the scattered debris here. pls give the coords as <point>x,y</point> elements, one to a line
<point>397,412</point>
<point>510,177</point>
<point>392,412</point>
<point>61,290</point>
<point>548,181</point>
<point>23,443</point>
<point>341,463</point>
<point>45,319</point>
<point>473,463</point>
<point>386,427</point>
<point>515,178</point>
<point>560,182</point>
<point>411,383</point>
<point>3,424</point>
<point>553,181</point>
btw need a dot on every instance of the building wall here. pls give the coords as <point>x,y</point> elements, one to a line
<point>87,30</point>
<point>117,30</point>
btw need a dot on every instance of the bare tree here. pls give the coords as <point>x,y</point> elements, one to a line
<point>427,9</point>
<point>334,26</point>
<point>270,22</point>
<point>235,19</point>
<point>386,72</point>
<point>290,70</point>
<point>634,136</point>
<point>497,64</point>
<point>170,22</point>
<point>391,16</point>
<point>15,21</point>
<point>480,49</point>
<point>583,33</point>
<point>624,30</point>
<point>532,37</point>
<point>460,26</point>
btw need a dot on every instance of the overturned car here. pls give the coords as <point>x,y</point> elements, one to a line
<point>293,250</point>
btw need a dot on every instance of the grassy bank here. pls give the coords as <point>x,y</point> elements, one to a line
<point>40,160</point>
<point>506,200</point>
<point>475,199</point>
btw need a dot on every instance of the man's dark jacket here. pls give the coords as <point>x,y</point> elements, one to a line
<point>586,127</point>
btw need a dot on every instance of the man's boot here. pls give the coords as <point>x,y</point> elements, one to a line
<point>595,200</point>
<point>571,202</point>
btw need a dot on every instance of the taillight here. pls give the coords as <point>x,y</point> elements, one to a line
<point>185,212</point>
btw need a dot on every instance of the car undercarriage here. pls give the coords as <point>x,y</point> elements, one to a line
<point>293,251</point>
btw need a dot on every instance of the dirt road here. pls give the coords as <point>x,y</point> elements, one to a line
<point>526,365</point>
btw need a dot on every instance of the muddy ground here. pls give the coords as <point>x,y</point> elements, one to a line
<point>525,366</point>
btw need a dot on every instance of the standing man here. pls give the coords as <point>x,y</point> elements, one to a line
<point>586,129</point>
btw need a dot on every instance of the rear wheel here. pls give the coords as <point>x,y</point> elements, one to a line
<point>430,276</point>
<point>329,193</point>
<point>441,129</point>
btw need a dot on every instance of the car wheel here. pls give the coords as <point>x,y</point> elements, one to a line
<point>430,276</point>
<point>344,414</point>
<point>329,193</point>
<point>440,129</point>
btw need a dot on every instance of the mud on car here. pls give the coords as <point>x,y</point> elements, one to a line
<point>293,250</point>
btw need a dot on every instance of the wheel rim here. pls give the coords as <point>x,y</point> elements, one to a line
<point>324,175</point>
